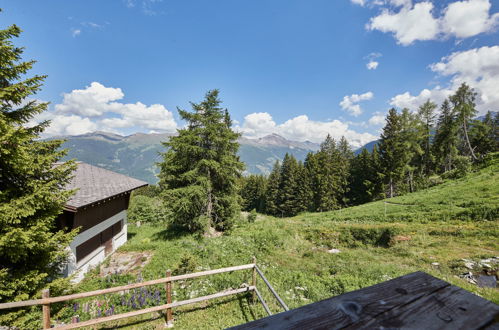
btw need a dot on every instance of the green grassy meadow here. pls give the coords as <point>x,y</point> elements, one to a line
<point>378,241</point>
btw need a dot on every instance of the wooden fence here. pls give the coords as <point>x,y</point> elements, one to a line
<point>46,300</point>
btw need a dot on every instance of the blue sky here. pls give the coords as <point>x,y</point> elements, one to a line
<point>296,68</point>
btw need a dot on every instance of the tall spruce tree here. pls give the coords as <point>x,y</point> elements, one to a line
<point>412,137</point>
<point>272,191</point>
<point>303,190</point>
<point>463,102</point>
<point>427,115</point>
<point>344,158</point>
<point>289,203</point>
<point>32,249</point>
<point>200,170</point>
<point>360,178</point>
<point>313,171</point>
<point>392,151</point>
<point>253,193</point>
<point>329,181</point>
<point>377,189</point>
<point>446,139</point>
<point>482,135</point>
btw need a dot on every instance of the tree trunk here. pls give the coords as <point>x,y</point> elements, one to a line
<point>468,140</point>
<point>391,187</point>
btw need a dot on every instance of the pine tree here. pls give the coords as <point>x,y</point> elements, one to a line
<point>392,151</point>
<point>463,102</point>
<point>412,137</point>
<point>344,158</point>
<point>377,189</point>
<point>313,170</point>
<point>482,135</point>
<point>253,193</point>
<point>360,178</point>
<point>427,115</point>
<point>288,187</point>
<point>329,185</point>
<point>32,249</point>
<point>304,189</point>
<point>272,191</point>
<point>200,170</point>
<point>446,139</point>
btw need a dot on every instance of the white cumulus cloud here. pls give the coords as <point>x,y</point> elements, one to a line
<point>468,18</point>
<point>301,128</point>
<point>91,101</point>
<point>377,119</point>
<point>350,102</point>
<point>418,21</point>
<point>478,67</point>
<point>258,124</point>
<point>409,24</point>
<point>96,107</point>
<point>412,102</point>
<point>63,125</point>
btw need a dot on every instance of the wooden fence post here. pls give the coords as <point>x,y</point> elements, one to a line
<point>46,310</point>
<point>253,296</point>
<point>168,287</point>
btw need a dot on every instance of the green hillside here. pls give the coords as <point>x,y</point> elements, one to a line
<point>431,231</point>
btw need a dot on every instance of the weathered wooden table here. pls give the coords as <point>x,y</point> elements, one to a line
<point>413,301</point>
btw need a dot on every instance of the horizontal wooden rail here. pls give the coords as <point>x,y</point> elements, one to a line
<point>46,301</point>
<point>154,309</point>
<point>168,280</point>
<point>271,288</point>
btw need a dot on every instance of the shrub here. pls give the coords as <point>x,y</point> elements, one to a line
<point>435,180</point>
<point>376,236</point>
<point>252,216</point>
<point>188,264</point>
<point>146,210</point>
<point>480,213</point>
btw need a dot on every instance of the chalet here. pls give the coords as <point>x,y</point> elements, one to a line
<point>99,210</point>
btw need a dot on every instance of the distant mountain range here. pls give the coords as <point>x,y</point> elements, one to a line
<point>135,155</point>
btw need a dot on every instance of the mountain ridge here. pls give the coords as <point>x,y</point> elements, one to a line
<point>136,154</point>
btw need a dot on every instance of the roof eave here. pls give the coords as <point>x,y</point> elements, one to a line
<point>75,209</point>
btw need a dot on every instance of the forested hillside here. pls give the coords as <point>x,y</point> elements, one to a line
<point>416,150</point>
<point>449,231</point>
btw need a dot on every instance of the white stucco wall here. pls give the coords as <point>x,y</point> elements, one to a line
<point>98,255</point>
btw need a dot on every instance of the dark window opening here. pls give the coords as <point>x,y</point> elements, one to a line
<point>98,240</point>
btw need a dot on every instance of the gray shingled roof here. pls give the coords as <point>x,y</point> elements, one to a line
<point>95,184</point>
